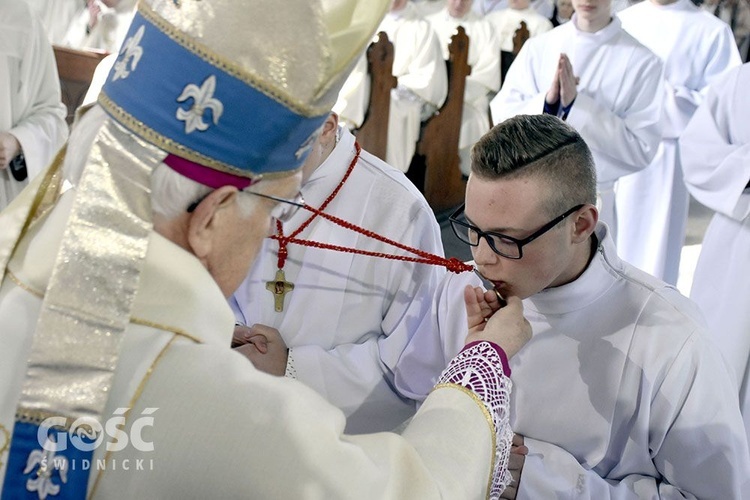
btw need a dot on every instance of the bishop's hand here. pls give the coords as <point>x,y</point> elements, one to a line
<point>505,326</point>
<point>263,345</point>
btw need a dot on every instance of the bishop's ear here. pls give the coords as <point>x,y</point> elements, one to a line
<point>212,215</point>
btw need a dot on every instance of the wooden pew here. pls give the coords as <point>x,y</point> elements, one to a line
<point>373,134</point>
<point>506,58</point>
<point>435,167</point>
<point>75,69</point>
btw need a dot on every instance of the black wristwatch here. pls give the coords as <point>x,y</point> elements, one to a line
<point>18,168</point>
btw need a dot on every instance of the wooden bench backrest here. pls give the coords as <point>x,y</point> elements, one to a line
<point>443,185</point>
<point>373,134</point>
<point>506,58</point>
<point>75,69</point>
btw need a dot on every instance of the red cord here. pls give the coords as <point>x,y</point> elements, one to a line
<point>453,264</point>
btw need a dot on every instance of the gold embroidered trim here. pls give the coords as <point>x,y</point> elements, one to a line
<point>35,417</point>
<point>49,190</point>
<point>159,326</point>
<point>487,416</point>
<point>155,138</point>
<point>229,67</point>
<point>137,321</point>
<point>132,403</point>
<point>6,443</point>
<point>43,201</point>
<point>33,291</point>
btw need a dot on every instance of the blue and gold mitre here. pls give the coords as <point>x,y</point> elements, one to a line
<point>205,82</point>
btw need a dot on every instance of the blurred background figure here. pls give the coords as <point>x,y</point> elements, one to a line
<point>736,13</point>
<point>422,83</point>
<point>484,79</point>
<point>715,149</point>
<point>506,22</point>
<point>32,116</point>
<point>56,16</point>
<point>652,205</point>
<point>100,24</point>
<point>484,7</point>
<point>562,12</point>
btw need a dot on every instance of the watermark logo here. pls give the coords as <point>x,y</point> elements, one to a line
<point>68,446</point>
<point>87,434</point>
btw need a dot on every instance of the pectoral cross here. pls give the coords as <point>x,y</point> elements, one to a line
<point>279,287</point>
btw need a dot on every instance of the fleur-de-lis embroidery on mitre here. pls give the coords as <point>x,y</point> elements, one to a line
<point>5,436</point>
<point>203,98</point>
<point>48,462</point>
<point>133,52</point>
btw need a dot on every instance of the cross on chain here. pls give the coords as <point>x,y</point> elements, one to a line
<point>279,287</point>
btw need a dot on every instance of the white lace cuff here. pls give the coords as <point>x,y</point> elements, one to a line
<point>291,371</point>
<point>482,367</point>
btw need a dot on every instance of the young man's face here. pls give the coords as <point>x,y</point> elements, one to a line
<point>515,208</point>
<point>593,12</point>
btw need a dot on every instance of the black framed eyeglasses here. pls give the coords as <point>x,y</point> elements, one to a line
<point>283,212</point>
<point>501,244</point>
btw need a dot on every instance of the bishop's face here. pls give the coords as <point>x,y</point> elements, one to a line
<point>240,232</point>
<point>515,208</point>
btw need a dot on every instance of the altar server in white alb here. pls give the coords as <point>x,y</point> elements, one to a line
<point>116,266</point>
<point>715,149</point>
<point>544,8</point>
<point>32,116</point>
<point>101,25</point>
<point>484,59</point>
<point>348,317</point>
<point>652,205</point>
<point>634,400</point>
<point>422,83</point>
<point>507,21</point>
<point>598,78</point>
<point>56,16</point>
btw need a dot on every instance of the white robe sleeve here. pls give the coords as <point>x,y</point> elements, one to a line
<point>354,96</point>
<point>425,74</point>
<point>41,127</point>
<point>628,139</point>
<point>715,150</point>
<point>484,58</point>
<point>441,333</point>
<point>690,429</point>
<point>348,375</point>
<point>241,433</point>
<point>681,100</point>
<point>521,93</point>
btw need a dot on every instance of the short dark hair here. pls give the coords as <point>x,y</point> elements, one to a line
<point>539,145</point>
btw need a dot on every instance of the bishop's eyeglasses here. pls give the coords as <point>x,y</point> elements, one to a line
<point>283,212</point>
<point>503,245</point>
